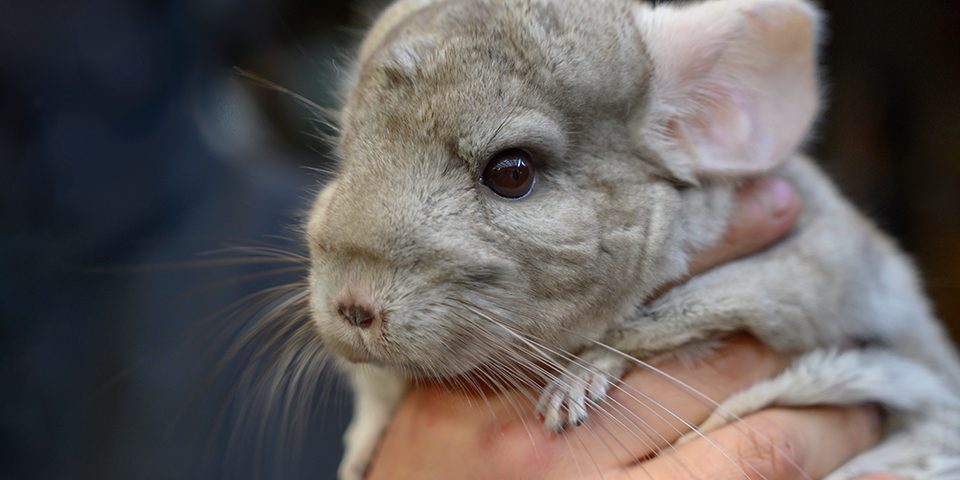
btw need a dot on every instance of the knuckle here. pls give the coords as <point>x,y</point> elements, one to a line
<point>766,451</point>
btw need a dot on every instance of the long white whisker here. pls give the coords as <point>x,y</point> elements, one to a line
<point>737,423</point>
<point>526,392</point>
<point>631,395</point>
<point>538,351</point>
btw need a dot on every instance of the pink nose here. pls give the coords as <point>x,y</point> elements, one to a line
<point>356,315</point>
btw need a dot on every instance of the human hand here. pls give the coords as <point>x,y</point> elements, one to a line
<point>440,433</point>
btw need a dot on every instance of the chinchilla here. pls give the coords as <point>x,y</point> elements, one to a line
<point>518,176</point>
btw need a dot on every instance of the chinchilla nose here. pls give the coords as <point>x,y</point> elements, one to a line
<point>356,315</point>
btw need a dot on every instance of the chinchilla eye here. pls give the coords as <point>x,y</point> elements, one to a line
<point>509,173</point>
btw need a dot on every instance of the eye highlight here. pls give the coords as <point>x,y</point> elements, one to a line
<point>509,173</point>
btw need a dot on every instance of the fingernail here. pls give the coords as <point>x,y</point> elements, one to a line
<point>878,476</point>
<point>776,196</point>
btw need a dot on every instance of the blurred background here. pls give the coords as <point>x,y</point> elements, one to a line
<point>132,155</point>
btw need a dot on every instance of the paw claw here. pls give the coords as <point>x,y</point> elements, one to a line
<point>599,388</point>
<point>576,406</point>
<point>564,400</point>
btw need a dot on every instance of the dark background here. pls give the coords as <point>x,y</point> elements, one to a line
<point>129,150</point>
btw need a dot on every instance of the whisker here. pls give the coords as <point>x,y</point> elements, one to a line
<point>189,264</point>
<point>243,279</point>
<point>509,370</point>
<point>324,114</point>
<point>690,389</point>
<point>737,420</point>
<point>672,414</point>
<point>537,352</point>
<point>546,356</point>
<point>263,250</point>
<point>693,428</point>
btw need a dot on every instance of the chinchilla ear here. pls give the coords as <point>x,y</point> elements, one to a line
<point>734,84</point>
<point>392,17</point>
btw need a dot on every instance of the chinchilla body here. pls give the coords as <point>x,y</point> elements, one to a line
<point>519,176</point>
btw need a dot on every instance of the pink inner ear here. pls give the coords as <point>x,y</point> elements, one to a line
<point>726,134</point>
<point>734,87</point>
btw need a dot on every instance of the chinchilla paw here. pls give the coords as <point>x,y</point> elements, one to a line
<point>584,381</point>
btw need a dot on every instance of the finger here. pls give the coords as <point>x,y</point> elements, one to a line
<point>775,444</point>
<point>656,405</point>
<point>766,210</point>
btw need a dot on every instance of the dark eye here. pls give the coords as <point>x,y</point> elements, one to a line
<point>509,173</point>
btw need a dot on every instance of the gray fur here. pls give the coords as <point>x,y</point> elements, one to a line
<point>462,277</point>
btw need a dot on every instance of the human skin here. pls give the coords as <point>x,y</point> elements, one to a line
<point>441,433</point>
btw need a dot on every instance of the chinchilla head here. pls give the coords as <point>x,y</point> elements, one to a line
<point>516,175</point>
